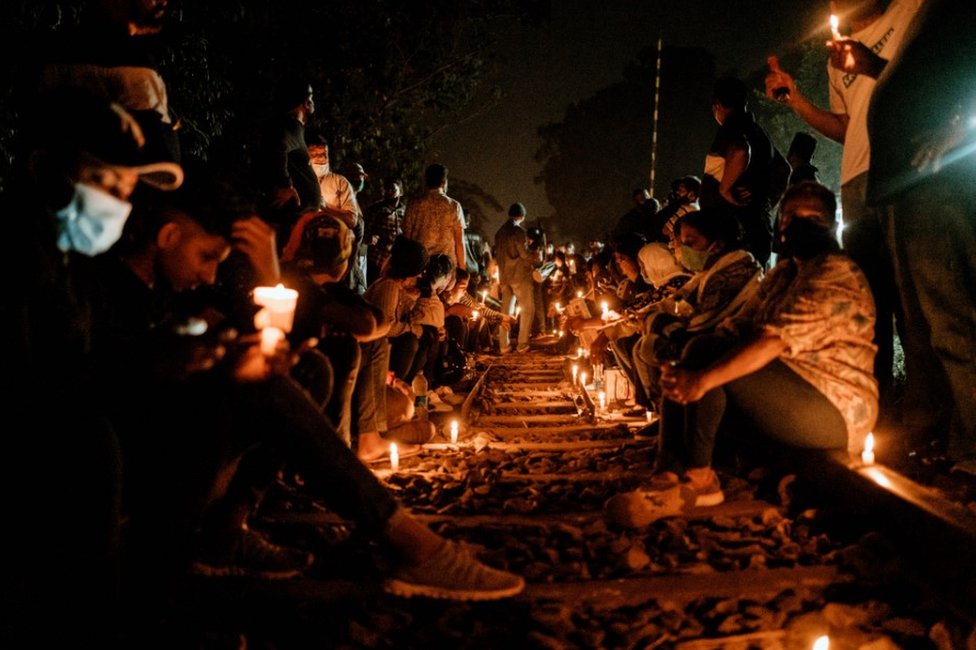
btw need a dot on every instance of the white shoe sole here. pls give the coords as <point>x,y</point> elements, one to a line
<point>409,590</point>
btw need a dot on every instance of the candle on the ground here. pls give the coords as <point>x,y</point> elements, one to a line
<point>602,398</point>
<point>454,432</point>
<point>606,309</point>
<point>583,379</point>
<point>575,372</point>
<point>867,456</point>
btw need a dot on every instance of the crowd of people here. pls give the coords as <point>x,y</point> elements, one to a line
<point>160,413</point>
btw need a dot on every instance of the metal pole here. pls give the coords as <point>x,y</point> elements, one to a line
<point>657,95</point>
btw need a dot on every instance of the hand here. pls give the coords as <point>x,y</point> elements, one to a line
<point>682,386</point>
<point>855,57</point>
<point>935,144</point>
<point>777,79</point>
<point>256,239</point>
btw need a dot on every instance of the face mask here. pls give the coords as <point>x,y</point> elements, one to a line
<point>92,222</point>
<point>320,170</point>
<point>694,260</point>
<point>806,238</point>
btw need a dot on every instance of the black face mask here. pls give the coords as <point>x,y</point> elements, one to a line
<point>806,238</point>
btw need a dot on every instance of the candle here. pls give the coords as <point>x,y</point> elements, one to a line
<point>575,372</point>
<point>867,456</point>
<point>270,337</point>
<point>834,24</point>
<point>579,294</point>
<point>602,398</point>
<point>606,309</point>
<point>279,303</point>
<point>559,308</point>
<point>474,316</point>
<point>554,332</point>
<point>518,310</point>
<point>583,379</point>
<point>561,333</point>
<point>394,457</point>
<point>822,643</point>
<point>484,296</point>
<point>579,352</point>
<point>649,416</point>
<point>454,432</point>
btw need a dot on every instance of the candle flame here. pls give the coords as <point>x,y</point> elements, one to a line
<point>834,24</point>
<point>394,457</point>
<point>869,443</point>
<point>822,643</point>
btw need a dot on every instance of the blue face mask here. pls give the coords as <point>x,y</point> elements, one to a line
<point>694,260</point>
<point>92,222</point>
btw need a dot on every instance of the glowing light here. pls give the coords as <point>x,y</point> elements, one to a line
<point>867,456</point>
<point>270,337</point>
<point>579,294</point>
<point>575,372</point>
<point>454,432</point>
<point>279,305</point>
<point>583,379</point>
<point>834,24</point>
<point>394,457</point>
<point>602,398</point>
<point>822,643</point>
<point>474,316</point>
<point>606,309</point>
<point>579,353</point>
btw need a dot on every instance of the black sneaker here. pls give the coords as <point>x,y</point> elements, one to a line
<point>454,574</point>
<point>251,555</point>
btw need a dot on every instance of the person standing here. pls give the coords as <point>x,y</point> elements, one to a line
<point>922,142</point>
<point>515,276</point>
<point>384,221</point>
<point>435,219</point>
<point>880,30</point>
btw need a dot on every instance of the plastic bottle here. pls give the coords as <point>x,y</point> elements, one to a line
<point>419,387</point>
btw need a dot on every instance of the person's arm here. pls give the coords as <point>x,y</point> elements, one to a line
<point>832,125</point>
<point>685,386</point>
<point>256,239</point>
<point>736,162</point>
<point>460,258</point>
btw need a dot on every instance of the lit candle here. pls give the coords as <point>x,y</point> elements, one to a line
<point>484,296</point>
<point>279,303</point>
<point>518,310</point>
<point>559,308</point>
<point>454,432</point>
<point>648,415</point>
<point>583,379</point>
<point>561,333</point>
<point>867,456</point>
<point>554,332</point>
<point>270,337</point>
<point>394,457</point>
<point>579,294</point>
<point>822,643</point>
<point>834,24</point>
<point>579,353</point>
<point>602,398</point>
<point>474,315</point>
<point>575,372</point>
<point>606,309</point>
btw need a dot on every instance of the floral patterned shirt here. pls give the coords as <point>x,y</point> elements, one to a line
<point>824,311</point>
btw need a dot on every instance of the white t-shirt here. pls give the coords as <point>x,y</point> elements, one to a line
<point>851,94</point>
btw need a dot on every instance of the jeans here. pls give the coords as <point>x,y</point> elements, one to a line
<point>369,398</point>
<point>777,403</point>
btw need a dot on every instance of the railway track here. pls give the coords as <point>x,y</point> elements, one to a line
<point>859,554</point>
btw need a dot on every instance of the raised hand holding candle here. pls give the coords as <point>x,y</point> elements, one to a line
<point>867,456</point>
<point>454,432</point>
<point>270,337</point>
<point>279,303</point>
<point>394,457</point>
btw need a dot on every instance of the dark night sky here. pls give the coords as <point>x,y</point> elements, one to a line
<point>585,47</point>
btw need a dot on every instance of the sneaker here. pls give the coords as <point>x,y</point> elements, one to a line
<point>251,555</point>
<point>522,349</point>
<point>709,495</point>
<point>454,574</point>
<point>664,484</point>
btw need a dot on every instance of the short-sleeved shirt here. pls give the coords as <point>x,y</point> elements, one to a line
<point>432,220</point>
<point>824,311</point>
<point>850,93</point>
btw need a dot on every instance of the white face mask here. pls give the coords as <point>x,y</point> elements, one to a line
<point>320,170</point>
<point>92,221</point>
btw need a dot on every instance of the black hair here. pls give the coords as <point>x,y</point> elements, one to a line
<point>714,225</point>
<point>691,183</point>
<point>434,175</point>
<point>730,92</point>
<point>811,189</point>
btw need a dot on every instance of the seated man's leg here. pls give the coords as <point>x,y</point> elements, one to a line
<point>345,356</point>
<point>369,398</point>
<point>403,351</point>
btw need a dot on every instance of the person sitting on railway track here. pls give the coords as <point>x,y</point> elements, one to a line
<point>238,402</point>
<point>725,276</point>
<point>796,362</point>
